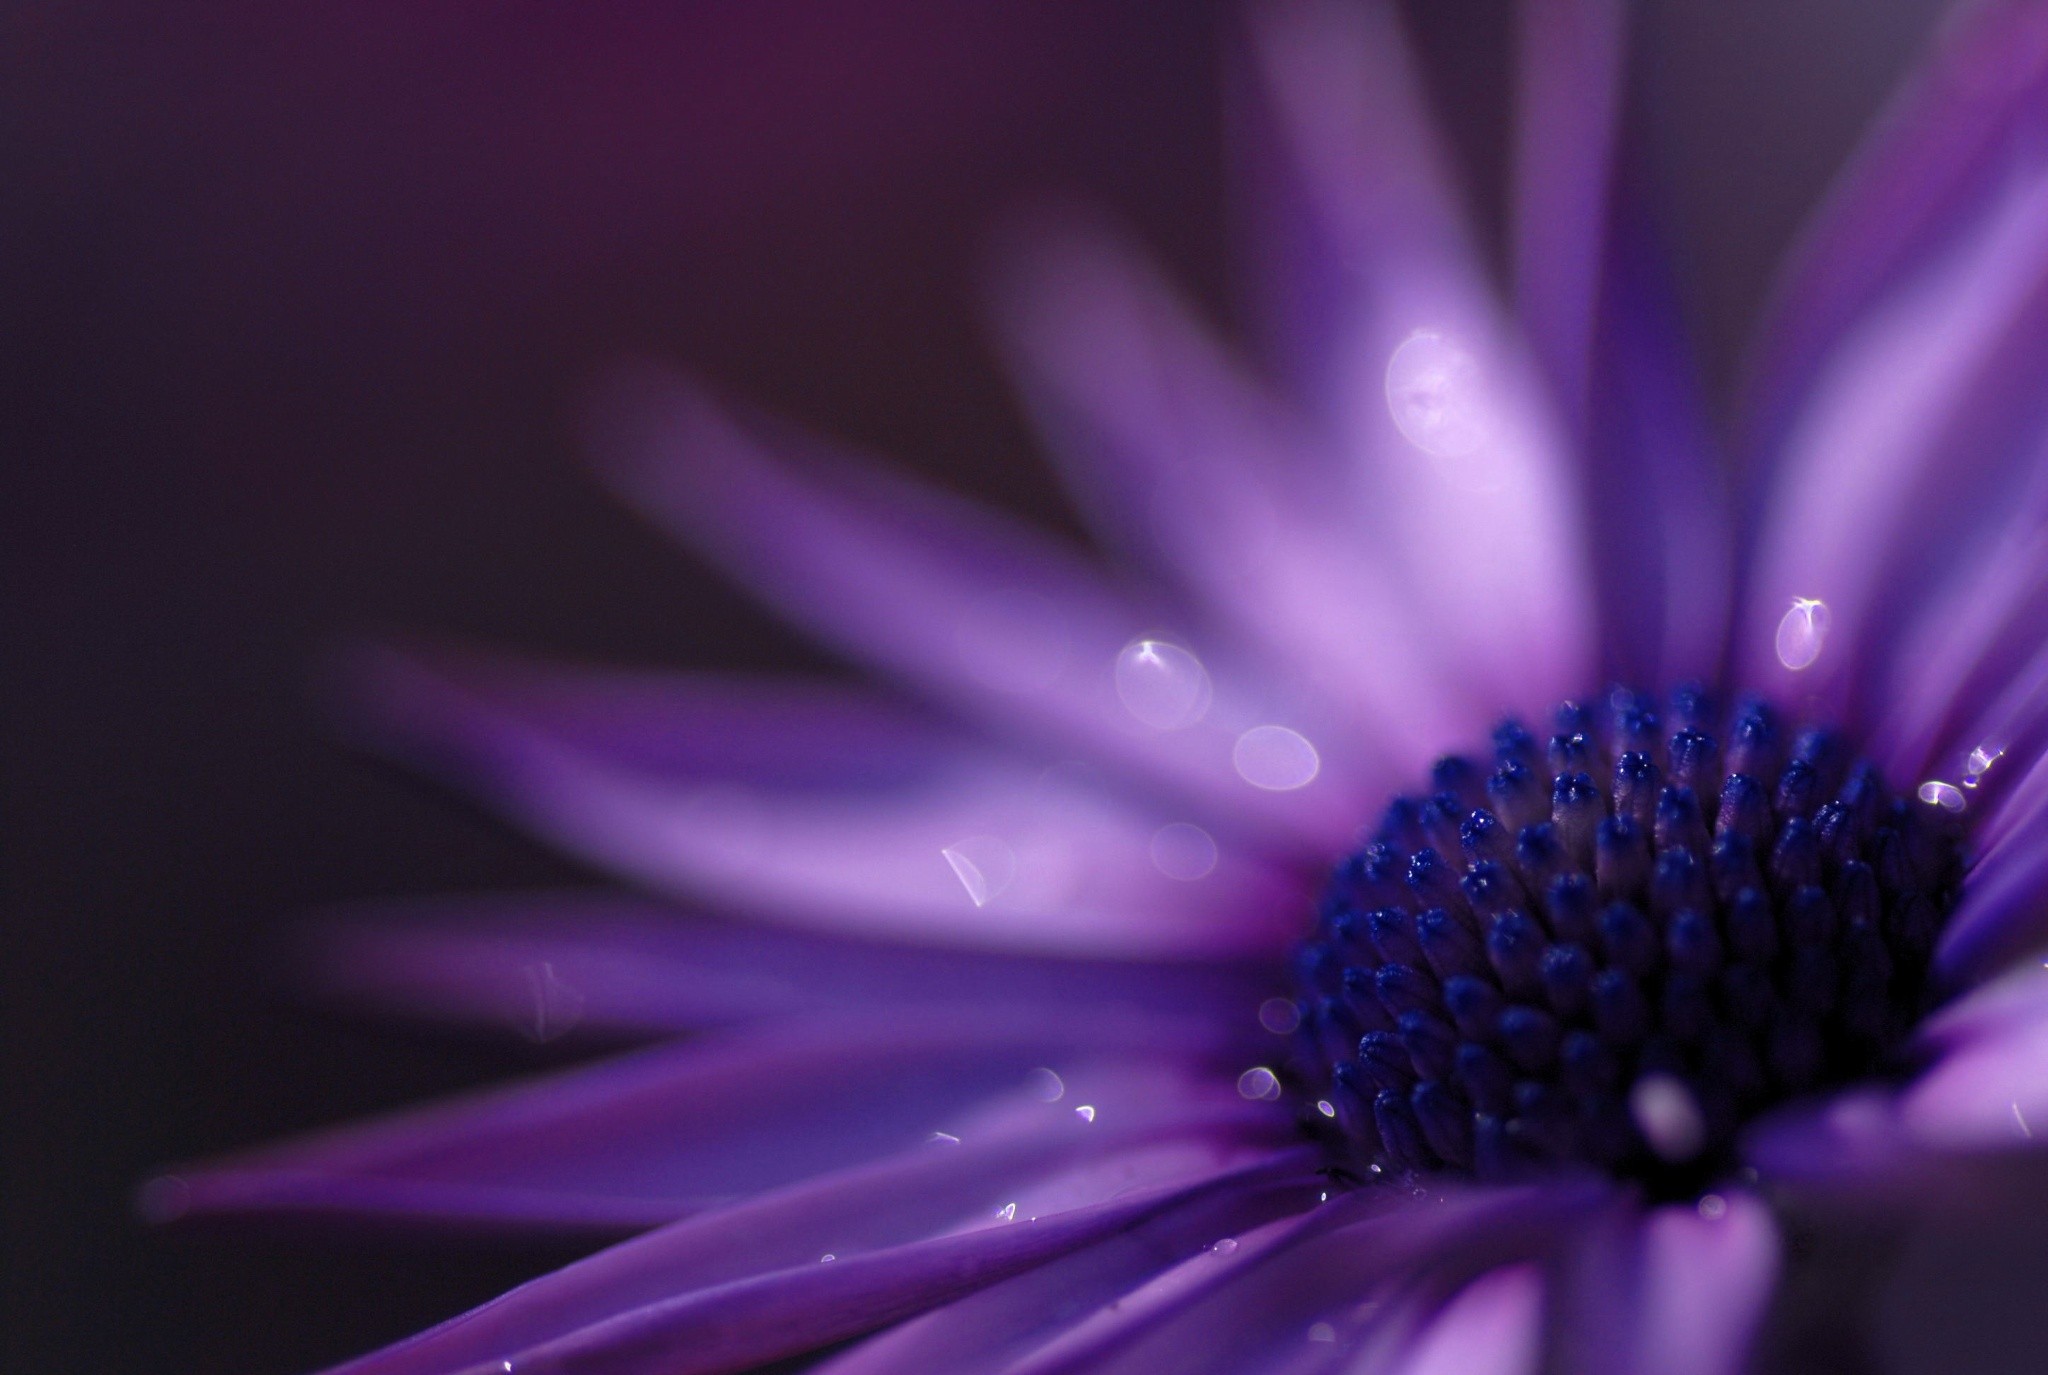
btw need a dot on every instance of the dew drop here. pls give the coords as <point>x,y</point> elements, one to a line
<point>1946,796</point>
<point>1162,685</point>
<point>1979,763</point>
<point>1085,1112</point>
<point>1225,1246</point>
<point>1322,1332</point>
<point>1275,758</point>
<point>1279,1015</point>
<point>984,865</point>
<point>551,1008</point>
<point>1183,851</point>
<point>1437,395</point>
<point>1801,632</point>
<point>1047,1086</point>
<point>1008,1212</point>
<point>1713,1207</point>
<point>1259,1084</point>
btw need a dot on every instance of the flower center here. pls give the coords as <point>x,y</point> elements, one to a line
<point>1617,948</point>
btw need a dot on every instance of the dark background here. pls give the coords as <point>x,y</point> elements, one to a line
<point>297,303</point>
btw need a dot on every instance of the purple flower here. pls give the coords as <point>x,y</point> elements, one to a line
<point>1171,971</point>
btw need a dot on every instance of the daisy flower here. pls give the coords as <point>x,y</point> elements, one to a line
<point>1270,942</point>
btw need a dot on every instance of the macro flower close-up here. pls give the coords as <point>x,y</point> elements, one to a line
<point>1484,857</point>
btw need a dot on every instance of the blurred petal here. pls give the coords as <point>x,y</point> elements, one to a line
<point>1662,543</point>
<point>643,1139</point>
<point>1493,1327</point>
<point>673,1302</point>
<point>1599,309</point>
<point>821,809</point>
<point>1974,644</point>
<point>1679,1290</point>
<point>2004,908</point>
<point>1856,1155</point>
<point>991,619</point>
<point>1989,1090</point>
<point>1475,501</point>
<point>1568,87</point>
<point>547,964</point>
<point>1918,414</point>
<point>1704,1286</point>
<point>1928,166</point>
<point>1350,1285</point>
<point>1060,1305</point>
<point>1176,456</point>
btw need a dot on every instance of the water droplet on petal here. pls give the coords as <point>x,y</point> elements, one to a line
<point>1322,1332</point>
<point>1225,1246</point>
<point>1275,758</point>
<point>1279,1015</point>
<point>1437,395</point>
<point>1946,796</point>
<point>1085,1112</point>
<point>984,865</point>
<point>1980,762</point>
<point>1047,1086</point>
<point>1259,1084</point>
<point>1008,1212</point>
<point>551,1008</point>
<point>1802,631</point>
<point>1326,1107</point>
<point>942,1139</point>
<point>1183,851</point>
<point>1162,685</point>
<point>1713,1207</point>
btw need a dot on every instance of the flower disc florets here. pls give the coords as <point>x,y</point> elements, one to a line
<point>1615,947</point>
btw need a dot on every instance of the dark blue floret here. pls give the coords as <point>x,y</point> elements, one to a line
<point>1727,908</point>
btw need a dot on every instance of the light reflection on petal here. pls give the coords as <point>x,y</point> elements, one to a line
<point>1162,685</point>
<point>1183,851</point>
<point>1259,1084</point>
<point>1801,633</point>
<point>984,866</point>
<point>1437,395</point>
<point>1275,758</point>
<point>1946,796</point>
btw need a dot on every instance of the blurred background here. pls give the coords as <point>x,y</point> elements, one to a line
<point>297,303</point>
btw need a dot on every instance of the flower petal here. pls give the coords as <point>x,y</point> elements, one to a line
<point>1969,658</point>
<point>824,810</point>
<point>2002,914</point>
<point>650,1137</point>
<point>1907,441</point>
<point>1063,1303</point>
<point>1493,1327</point>
<point>548,964</point>
<point>1705,1283</point>
<point>1927,166</point>
<point>958,603</point>
<point>1568,89</point>
<point>1175,455</point>
<point>1423,384</point>
<point>1597,304</point>
<point>1990,1090</point>
<point>1352,1282</point>
<point>677,1301</point>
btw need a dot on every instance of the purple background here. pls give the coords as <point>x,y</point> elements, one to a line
<point>297,303</point>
